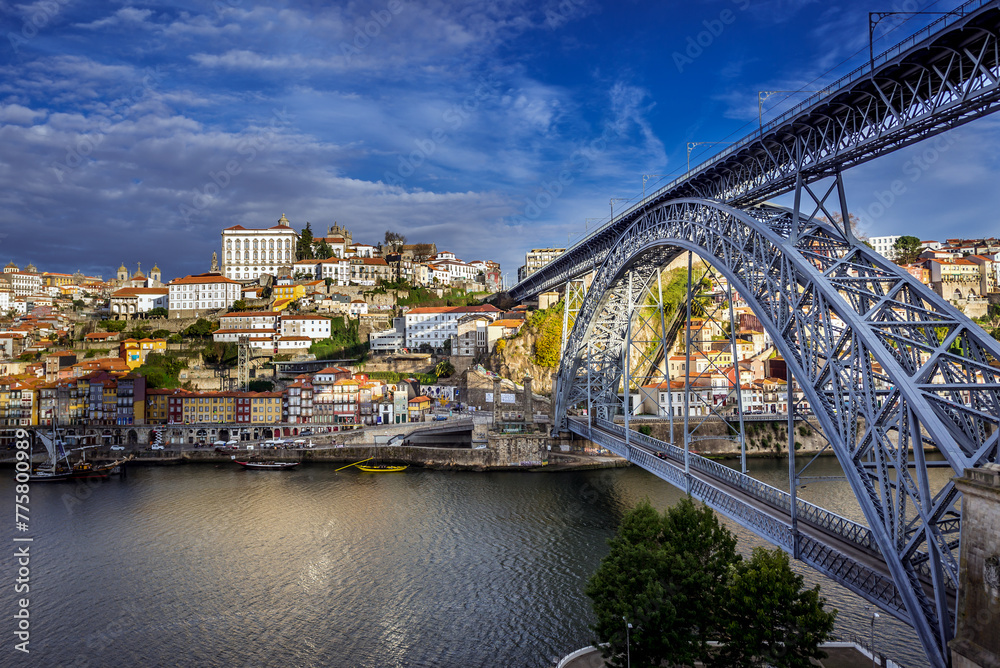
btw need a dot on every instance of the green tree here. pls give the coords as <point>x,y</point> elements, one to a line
<point>444,369</point>
<point>323,250</point>
<point>158,312</point>
<point>667,576</point>
<point>770,619</point>
<point>907,249</point>
<point>260,386</point>
<point>239,305</point>
<point>114,325</point>
<point>160,334</point>
<point>201,328</point>
<point>304,249</point>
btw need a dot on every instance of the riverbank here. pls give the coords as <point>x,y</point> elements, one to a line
<point>839,655</point>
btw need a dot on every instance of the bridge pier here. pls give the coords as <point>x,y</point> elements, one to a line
<point>977,640</point>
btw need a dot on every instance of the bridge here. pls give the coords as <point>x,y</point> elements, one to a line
<point>887,368</point>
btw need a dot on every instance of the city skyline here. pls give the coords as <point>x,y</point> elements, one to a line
<point>139,133</point>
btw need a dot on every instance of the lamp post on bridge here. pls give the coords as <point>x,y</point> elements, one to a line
<point>612,203</point>
<point>646,177</point>
<point>692,144</point>
<point>763,95</point>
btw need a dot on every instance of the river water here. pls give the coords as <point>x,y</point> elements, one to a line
<point>207,565</point>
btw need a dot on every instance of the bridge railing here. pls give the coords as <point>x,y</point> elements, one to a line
<point>856,576</point>
<point>840,526</point>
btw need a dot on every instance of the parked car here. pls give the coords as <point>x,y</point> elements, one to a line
<point>440,417</point>
<point>117,447</point>
<point>157,447</point>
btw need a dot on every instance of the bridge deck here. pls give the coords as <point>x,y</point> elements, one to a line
<point>843,550</point>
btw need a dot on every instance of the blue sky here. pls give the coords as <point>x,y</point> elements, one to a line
<point>137,131</point>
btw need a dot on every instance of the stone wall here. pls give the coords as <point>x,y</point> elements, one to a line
<point>765,437</point>
<point>977,642</point>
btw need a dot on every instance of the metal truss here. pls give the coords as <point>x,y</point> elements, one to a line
<point>944,77</point>
<point>889,368</point>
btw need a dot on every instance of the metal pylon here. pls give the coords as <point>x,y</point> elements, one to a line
<point>245,355</point>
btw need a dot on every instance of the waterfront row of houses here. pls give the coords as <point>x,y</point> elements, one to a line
<point>333,396</point>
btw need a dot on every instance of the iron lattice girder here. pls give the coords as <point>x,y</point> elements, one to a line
<point>945,80</point>
<point>853,330</point>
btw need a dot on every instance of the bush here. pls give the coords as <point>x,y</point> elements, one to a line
<point>161,334</point>
<point>113,325</point>
<point>645,430</point>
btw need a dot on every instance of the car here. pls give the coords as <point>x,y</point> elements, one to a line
<point>440,417</point>
<point>117,447</point>
<point>660,454</point>
<point>157,447</point>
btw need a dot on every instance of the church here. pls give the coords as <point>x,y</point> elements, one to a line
<point>138,279</point>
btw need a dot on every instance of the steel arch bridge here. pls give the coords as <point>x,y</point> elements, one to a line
<point>847,322</point>
<point>888,367</point>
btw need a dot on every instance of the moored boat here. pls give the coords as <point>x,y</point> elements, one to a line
<point>267,465</point>
<point>382,468</point>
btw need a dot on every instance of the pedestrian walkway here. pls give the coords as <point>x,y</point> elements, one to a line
<point>839,655</point>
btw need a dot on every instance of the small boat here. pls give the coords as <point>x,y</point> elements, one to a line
<point>267,465</point>
<point>382,468</point>
<point>57,466</point>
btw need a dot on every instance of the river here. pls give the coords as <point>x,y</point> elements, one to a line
<point>205,565</point>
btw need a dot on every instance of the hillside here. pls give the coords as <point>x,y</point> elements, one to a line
<point>535,350</point>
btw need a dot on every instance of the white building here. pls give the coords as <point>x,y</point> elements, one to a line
<point>884,245</point>
<point>357,307</point>
<point>25,283</point>
<point>311,326</point>
<point>432,326</point>
<point>192,296</point>
<point>129,302</point>
<point>6,301</point>
<point>389,340</point>
<point>248,253</point>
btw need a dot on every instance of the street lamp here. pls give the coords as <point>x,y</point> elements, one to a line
<point>874,617</point>
<point>612,203</point>
<point>646,177</point>
<point>692,144</point>
<point>628,643</point>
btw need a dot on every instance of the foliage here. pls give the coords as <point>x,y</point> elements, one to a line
<point>260,386</point>
<point>160,334</point>
<point>78,304</point>
<point>907,248</point>
<point>323,250</point>
<point>113,325</point>
<point>645,430</point>
<point>500,346</point>
<point>667,576</point>
<point>222,354</point>
<point>444,369</point>
<point>239,305</point>
<point>394,377</point>
<point>424,297</point>
<point>547,326</point>
<point>158,312</point>
<point>140,332</point>
<point>174,338</point>
<point>200,329</point>
<point>343,343</point>
<point>162,370</point>
<point>304,249</point>
<point>770,619</point>
<point>96,352</point>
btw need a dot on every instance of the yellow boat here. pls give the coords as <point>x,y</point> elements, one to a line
<point>382,468</point>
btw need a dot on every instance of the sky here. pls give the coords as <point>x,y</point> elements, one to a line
<point>137,131</point>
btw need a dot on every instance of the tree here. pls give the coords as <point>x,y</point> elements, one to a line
<point>113,325</point>
<point>444,369</point>
<point>260,386</point>
<point>770,619</point>
<point>667,576</point>
<point>201,328</point>
<point>323,250</point>
<point>907,249</point>
<point>158,312</point>
<point>304,248</point>
<point>160,334</point>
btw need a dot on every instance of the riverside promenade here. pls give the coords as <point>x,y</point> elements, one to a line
<point>839,655</point>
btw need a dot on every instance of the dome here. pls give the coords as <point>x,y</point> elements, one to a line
<point>123,268</point>
<point>284,221</point>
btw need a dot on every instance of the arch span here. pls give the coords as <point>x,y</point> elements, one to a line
<point>863,339</point>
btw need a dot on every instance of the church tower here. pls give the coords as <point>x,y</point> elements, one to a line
<point>154,277</point>
<point>122,273</point>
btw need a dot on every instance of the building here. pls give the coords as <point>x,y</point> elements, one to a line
<point>885,246</point>
<point>134,352</point>
<point>433,327</point>
<point>128,303</point>
<point>193,296</point>
<point>25,283</point>
<point>248,253</point>
<point>312,326</point>
<point>537,258</point>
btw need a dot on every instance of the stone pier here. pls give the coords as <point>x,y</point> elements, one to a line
<point>977,638</point>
